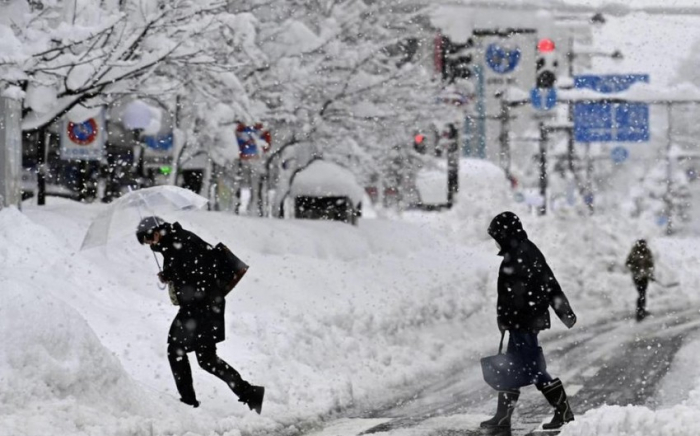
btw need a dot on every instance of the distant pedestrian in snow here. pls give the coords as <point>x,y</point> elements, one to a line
<point>640,262</point>
<point>526,289</point>
<point>189,267</point>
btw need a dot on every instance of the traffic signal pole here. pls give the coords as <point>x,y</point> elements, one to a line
<point>543,168</point>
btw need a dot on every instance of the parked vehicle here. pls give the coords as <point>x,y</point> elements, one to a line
<point>326,191</point>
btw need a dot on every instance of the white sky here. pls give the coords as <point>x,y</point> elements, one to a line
<point>636,3</point>
<point>653,44</point>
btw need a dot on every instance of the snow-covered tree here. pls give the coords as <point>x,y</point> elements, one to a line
<point>663,198</point>
<point>346,78</point>
<point>58,55</point>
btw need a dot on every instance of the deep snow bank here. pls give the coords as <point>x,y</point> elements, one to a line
<point>56,377</point>
<point>329,316</point>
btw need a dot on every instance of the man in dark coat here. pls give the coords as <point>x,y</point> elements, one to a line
<point>640,262</point>
<point>527,289</point>
<point>190,268</point>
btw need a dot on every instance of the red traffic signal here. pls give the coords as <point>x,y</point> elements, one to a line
<point>545,45</point>
<point>418,139</point>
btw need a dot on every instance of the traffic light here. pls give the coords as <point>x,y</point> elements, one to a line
<point>419,143</point>
<point>454,60</point>
<point>546,64</point>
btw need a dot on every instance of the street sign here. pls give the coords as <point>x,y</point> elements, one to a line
<point>619,154</point>
<point>253,140</point>
<point>610,122</point>
<point>509,63</point>
<point>83,140</point>
<point>159,142</point>
<point>543,98</point>
<point>502,59</point>
<point>609,83</point>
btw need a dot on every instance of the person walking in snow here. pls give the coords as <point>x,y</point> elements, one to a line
<point>640,262</point>
<point>190,269</point>
<point>527,289</point>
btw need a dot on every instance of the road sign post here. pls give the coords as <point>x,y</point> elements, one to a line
<point>543,168</point>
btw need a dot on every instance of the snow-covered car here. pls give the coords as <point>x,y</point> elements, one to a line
<point>327,191</point>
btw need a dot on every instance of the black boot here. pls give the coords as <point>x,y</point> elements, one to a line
<point>250,395</point>
<point>556,396</point>
<point>504,410</point>
<point>190,402</point>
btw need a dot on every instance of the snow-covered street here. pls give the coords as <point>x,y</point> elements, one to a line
<point>385,322</point>
<point>349,217</point>
<point>614,363</point>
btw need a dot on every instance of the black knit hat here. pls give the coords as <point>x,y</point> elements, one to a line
<point>148,225</point>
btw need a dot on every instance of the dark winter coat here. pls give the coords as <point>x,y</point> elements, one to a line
<point>190,264</point>
<point>526,284</point>
<point>641,262</point>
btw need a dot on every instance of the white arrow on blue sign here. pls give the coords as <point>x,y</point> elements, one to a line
<point>543,99</point>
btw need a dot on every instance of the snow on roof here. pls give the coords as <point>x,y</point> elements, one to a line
<point>457,22</point>
<point>639,92</point>
<point>326,179</point>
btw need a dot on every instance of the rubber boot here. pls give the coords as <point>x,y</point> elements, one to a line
<point>190,402</point>
<point>504,410</point>
<point>556,396</point>
<point>250,395</point>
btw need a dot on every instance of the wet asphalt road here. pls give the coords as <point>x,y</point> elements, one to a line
<point>617,362</point>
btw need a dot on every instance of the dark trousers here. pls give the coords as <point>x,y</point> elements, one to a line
<point>208,361</point>
<point>641,283</point>
<point>526,347</point>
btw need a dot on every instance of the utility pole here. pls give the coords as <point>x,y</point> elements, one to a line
<point>543,168</point>
<point>10,152</point>
<point>668,200</point>
<point>43,141</point>
<point>504,137</point>
<point>452,164</point>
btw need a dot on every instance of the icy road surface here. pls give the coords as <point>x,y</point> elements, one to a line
<point>618,362</point>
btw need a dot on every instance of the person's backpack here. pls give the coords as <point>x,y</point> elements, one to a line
<point>231,269</point>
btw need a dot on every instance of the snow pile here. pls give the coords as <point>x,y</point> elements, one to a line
<point>329,316</point>
<point>638,421</point>
<point>325,323</point>
<point>56,377</point>
<point>483,193</point>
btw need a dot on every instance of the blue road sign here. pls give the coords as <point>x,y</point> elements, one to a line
<point>160,143</point>
<point>543,99</point>
<point>502,60</point>
<point>610,122</point>
<point>610,83</point>
<point>619,154</point>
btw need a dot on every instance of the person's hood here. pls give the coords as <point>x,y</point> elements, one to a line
<point>507,230</point>
<point>169,236</point>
